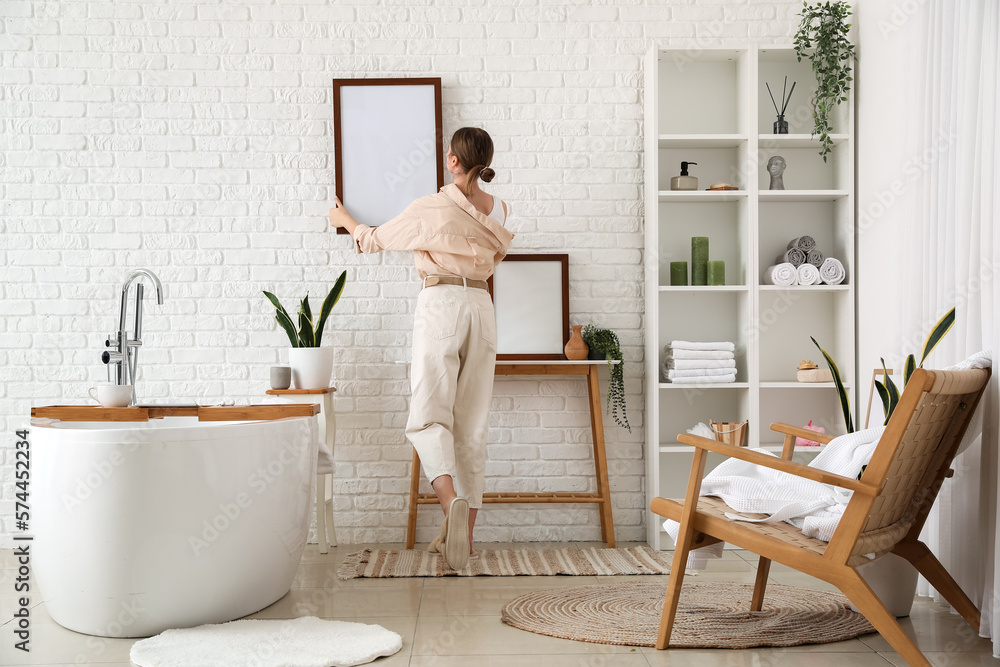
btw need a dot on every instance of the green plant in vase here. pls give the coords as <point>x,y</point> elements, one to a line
<point>604,341</point>
<point>887,390</point>
<point>307,334</point>
<point>311,364</point>
<point>822,39</point>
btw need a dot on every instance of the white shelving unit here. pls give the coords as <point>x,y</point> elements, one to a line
<point>712,107</point>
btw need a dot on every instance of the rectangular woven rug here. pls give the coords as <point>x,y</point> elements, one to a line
<point>376,563</point>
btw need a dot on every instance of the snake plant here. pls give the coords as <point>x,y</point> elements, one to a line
<point>888,391</point>
<point>307,335</point>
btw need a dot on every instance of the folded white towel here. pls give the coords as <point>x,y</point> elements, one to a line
<point>673,373</point>
<point>701,363</point>
<point>783,274</point>
<point>808,275</point>
<point>699,354</point>
<point>832,271</point>
<point>706,379</point>
<point>687,345</point>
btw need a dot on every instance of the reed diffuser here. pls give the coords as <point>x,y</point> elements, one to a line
<point>781,125</point>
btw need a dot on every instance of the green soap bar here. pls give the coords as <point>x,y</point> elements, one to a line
<point>699,260</point>
<point>678,273</point>
<point>717,272</point>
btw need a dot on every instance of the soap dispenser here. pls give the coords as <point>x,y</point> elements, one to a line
<point>684,182</point>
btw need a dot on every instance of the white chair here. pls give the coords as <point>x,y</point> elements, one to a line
<point>326,533</point>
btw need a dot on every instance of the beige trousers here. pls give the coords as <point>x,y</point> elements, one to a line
<point>451,383</point>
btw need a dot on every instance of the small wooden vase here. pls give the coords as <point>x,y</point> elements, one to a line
<point>576,349</point>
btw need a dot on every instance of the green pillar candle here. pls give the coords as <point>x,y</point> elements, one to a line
<point>699,260</point>
<point>678,273</point>
<point>717,272</point>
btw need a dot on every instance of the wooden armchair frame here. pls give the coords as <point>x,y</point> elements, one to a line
<point>886,512</point>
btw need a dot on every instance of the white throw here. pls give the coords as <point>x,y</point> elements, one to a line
<point>832,272</point>
<point>783,274</point>
<point>699,379</point>
<point>813,507</point>
<point>701,363</point>
<point>808,275</point>
<point>723,346</point>
<point>698,354</point>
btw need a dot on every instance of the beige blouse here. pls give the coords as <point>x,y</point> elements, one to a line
<point>447,234</point>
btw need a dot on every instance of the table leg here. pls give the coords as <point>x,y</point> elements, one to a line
<point>411,522</point>
<point>600,457</point>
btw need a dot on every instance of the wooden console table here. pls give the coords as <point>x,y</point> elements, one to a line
<point>587,369</point>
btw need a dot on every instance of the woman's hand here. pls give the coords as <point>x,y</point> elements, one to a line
<point>340,218</point>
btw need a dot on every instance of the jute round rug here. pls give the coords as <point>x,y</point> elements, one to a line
<point>710,615</point>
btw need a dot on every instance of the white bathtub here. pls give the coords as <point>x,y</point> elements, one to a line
<point>144,526</point>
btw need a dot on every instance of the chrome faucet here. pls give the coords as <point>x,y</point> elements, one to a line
<point>124,358</point>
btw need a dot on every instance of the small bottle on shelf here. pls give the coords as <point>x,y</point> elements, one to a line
<point>684,181</point>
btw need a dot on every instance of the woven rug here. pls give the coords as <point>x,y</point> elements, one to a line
<point>507,563</point>
<point>710,615</point>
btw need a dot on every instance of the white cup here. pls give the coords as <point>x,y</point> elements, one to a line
<point>111,395</point>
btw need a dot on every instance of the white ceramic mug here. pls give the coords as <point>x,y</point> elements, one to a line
<point>111,395</point>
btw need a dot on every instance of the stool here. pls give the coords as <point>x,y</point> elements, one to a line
<point>326,533</point>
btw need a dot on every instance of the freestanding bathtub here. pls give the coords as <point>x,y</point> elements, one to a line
<point>144,526</point>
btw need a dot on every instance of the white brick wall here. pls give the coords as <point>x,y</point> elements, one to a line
<point>195,140</point>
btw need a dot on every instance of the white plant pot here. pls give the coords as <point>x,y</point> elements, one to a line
<point>894,581</point>
<point>312,367</point>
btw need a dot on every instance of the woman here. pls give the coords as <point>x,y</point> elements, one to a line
<point>457,238</point>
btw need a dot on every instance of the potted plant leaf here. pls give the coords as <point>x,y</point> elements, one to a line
<point>312,365</point>
<point>822,39</point>
<point>603,344</point>
<point>887,390</point>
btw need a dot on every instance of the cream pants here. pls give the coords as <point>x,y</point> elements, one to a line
<point>451,383</point>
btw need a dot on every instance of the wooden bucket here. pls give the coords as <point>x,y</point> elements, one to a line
<point>731,433</point>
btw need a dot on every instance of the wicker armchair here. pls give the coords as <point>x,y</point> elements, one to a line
<point>887,510</point>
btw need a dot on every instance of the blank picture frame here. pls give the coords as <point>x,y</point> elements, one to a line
<point>531,301</point>
<point>388,141</point>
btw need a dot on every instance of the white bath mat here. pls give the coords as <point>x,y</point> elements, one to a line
<point>299,642</point>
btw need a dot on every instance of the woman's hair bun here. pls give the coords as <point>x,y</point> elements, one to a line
<point>487,174</point>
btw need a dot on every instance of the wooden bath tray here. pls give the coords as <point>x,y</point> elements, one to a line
<point>139,413</point>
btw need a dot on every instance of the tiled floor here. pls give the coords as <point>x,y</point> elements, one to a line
<point>455,622</point>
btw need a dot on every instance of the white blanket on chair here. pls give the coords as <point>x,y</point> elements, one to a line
<point>813,507</point>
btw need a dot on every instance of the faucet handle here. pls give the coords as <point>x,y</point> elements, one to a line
<point>112,341</point>
<point>111,357</point>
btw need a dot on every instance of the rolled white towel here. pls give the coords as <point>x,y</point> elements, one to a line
<point>804,243</point>
<point>699,354</point>
<point>808,275</point>
<point>783,274</point>
<point>792,256</point>
<point>706,379</point>
<point>832,271</point>
<point>687,345</point>
<point>701,363</point>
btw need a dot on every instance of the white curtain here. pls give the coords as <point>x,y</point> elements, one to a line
<point>951,257</point>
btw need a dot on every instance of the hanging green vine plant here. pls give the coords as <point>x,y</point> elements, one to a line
<point>822,39</point>
<point>604,341</point>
